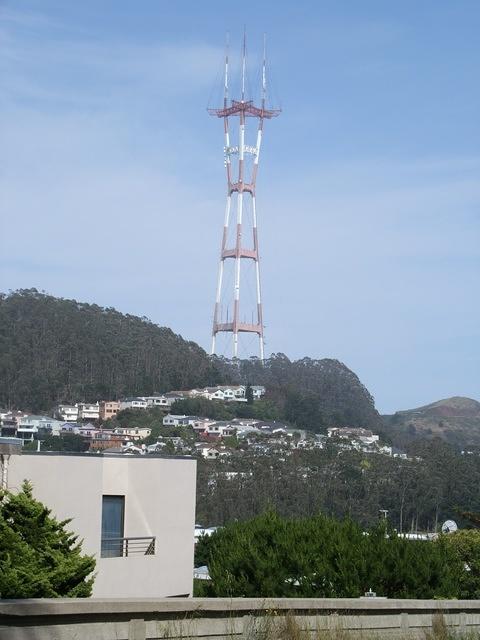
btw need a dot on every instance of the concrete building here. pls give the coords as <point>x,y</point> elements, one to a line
<point>136,514</point>
<point>108,409</point>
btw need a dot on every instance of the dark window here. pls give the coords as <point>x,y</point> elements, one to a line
<point>113,517</point>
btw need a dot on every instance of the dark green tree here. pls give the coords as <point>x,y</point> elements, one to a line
<point>39,557</point>
<point>66,442</point>
<point>249,394</point>
<point>271,556</point>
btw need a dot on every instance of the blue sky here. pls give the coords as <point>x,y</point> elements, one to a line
<point>112,183</point>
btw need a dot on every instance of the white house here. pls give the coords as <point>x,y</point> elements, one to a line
<point>133,403</point>
<point>220,429</point>
<point>26,433</point>
<point>200,425</point>
<point>88,411</point>
<point>364,436</point>
<point>45,423</point>
<point>158,401</point>
<point>67,412</point>
<point>172,420</point>
<point>132,433</point>
<point>199,393</point>
<point>209,453</point>
<point>226,393</point>
<point>134,513</point>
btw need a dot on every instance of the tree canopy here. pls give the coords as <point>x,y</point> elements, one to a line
<point>54,350</point>
<point>419,493</point>
<point>39,557</point>
<point>271,556</point>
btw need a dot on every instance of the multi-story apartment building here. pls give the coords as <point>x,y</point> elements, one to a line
<point>88,411</point>
<point>108,409</point>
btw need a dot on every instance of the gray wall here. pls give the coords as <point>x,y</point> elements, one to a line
<point>220,618</point>
<point>159,501</point>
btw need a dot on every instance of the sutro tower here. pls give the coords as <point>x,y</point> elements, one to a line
<point>241,162</point>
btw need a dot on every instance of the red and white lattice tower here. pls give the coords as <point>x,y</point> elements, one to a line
<point>241,162</point>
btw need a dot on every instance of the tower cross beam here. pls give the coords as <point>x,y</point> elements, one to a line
<point>245,108</point>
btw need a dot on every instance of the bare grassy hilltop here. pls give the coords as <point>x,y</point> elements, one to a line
<point>455,420</point>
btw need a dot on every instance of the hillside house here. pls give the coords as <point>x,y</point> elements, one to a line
<point>17,424</point>
<point>67,412</point>
<point>227,393</point>
<point>220,429</point>
<point>88,430</point>
<point>200,425</point>
<point>105,440</point>
<point>364,436</point>
<point>172,420</point>
<point>133,403</point>
<point>88,411</point>
<point>163,401</point>
<point>132,433</point>
<point>70,427</point>
<point>209,453</point>
<point>108,409</point>
<point>177,395</point>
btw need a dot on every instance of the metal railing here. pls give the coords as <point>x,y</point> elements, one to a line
<point>123,547</point>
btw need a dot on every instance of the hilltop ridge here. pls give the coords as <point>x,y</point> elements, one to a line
<point>455,420</point>
<point>56,350</point>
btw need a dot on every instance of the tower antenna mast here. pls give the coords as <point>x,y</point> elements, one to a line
<point>241,161</point>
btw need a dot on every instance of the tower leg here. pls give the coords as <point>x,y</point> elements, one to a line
<point>220,272</point>
<point>238,262</point>
<point>257,278</point>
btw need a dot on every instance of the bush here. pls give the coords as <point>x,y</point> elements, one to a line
<point>271,556</point>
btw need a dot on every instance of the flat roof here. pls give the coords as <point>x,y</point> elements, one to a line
<point>102,454</point>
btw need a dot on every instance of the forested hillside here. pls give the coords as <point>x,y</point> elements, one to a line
<point>419,493</point>
<point>54,350</point>
<point>313,394</point>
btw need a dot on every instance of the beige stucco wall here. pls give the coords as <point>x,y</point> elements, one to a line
<point>159,501</point>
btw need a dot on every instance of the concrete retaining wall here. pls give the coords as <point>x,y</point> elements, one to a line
<point>237,618</point>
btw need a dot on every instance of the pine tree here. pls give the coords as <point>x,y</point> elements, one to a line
<point>39,557</point>
<point>271,556</point>
<point>249,394</point>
